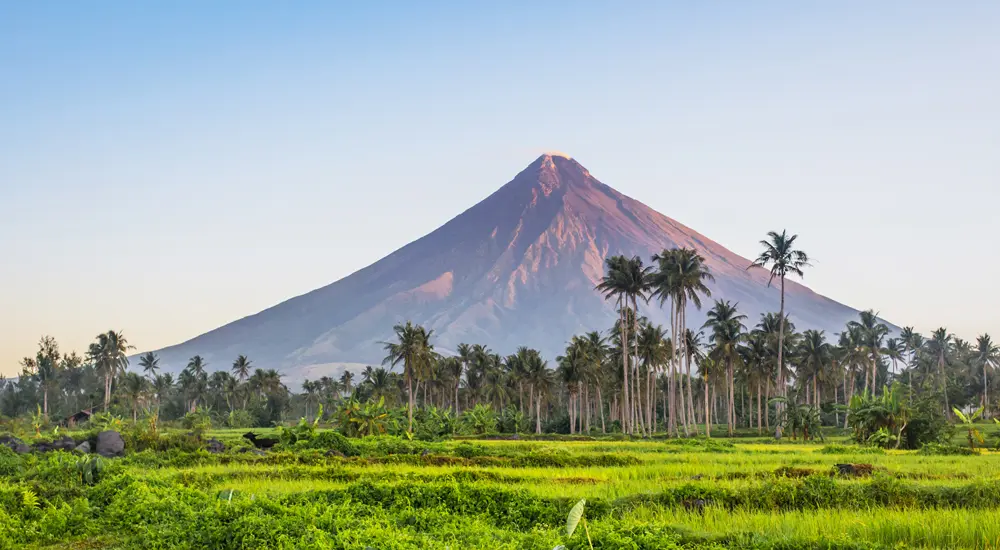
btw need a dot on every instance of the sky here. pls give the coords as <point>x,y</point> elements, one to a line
<point>168,167</point>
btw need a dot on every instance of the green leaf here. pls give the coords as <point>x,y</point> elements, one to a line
<point>574,517</point>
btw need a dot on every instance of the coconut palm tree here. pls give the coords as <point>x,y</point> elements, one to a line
<point>241,368</point>
<point>110,356</point>
<point>197,365</point>
<point>162,385</point>
<point>134,389</point>
<point>783,259</point>
<point>727,333</point>
<point>987,354</point>
<point>814,357</point>
<point>571,373</point>
<point>626,280</point>
<point>940,347</point>
<point>872,333</point>
<point>412,348</point>
<point>540,379</point>
<point>346,381</point>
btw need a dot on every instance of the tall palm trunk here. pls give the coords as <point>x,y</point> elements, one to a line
<point>944,384</point>
<point>758,408</point>
<point>781,354</point>
<point>708,419</point>
<point>600,406</point>
<point>409,394</point>
<point>538,413</point>
<point>626,427</point>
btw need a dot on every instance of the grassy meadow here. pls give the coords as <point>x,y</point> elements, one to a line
<point>391,492</point>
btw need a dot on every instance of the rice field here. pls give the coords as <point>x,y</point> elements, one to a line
<point>395,493</point>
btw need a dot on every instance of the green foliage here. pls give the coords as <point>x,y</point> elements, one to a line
<point>941,449</point>
<point>106,421</point>
<point>432,423</point>
<point>90,469</point>
<point>333,441</point>
<point>239,418</point>
<point>479,420</point>
<point>973,435</point>
<point>882,420</point>
<point>302,432</point>
<point>199,421</point>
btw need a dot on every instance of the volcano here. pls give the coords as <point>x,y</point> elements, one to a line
<point>517,269</point>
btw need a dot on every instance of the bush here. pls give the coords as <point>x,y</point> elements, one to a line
<point>941,449</point>
<point>333,440</point>
<point>199,421</point>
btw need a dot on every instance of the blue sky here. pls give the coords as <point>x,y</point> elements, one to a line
<point>167,167</point>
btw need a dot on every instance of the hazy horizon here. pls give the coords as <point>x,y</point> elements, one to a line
<point>169,168</point>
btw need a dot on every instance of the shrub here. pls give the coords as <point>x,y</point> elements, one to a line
<point>941,449</point>
<point>335,441</point>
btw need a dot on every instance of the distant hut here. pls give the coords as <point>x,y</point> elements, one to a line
<point>80,417</point>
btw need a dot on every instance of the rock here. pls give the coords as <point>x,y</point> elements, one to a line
<point>845,469</point>
<point>216,446</point>
<point>425,452</point>
<point>14,444</point>
<point>83,448</point>
<point>64,443</point>
<point>110,444</point>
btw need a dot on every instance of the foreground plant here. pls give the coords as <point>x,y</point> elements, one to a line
<point>575,518</point>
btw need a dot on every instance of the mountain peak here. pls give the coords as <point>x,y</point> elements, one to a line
<point>518,268</point>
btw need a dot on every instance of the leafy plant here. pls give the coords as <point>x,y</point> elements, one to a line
<point>90,469</point>
<point>880,420</point>
<point>576,517</point>
<point>973,434</point>
<point>480,420</point>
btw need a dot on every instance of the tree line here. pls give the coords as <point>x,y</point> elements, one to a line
<point>633,377</point>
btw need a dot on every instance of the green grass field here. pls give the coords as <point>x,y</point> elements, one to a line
<point>394,493</point>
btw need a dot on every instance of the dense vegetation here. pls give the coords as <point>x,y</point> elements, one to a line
<point>416,453</point>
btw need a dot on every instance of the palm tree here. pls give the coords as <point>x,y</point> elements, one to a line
<point>571,372</point>
<point>134,388</point>
<point>241,368</point>
<point>726,324</point>
<point>987,354</point>
<point>940,347</point>
<point>162,385</point>
<point>539,379</point>
<point>197,365</point>
<point>110,356</point>
<point>872,333</point>
<point>783,259</point>
<point>814,356</point>
<point>346,380</point>
<point>681,278</point>
<point>626,280</point>
<point>597,351</point>
<point>150,363</point>
<point>413,348</point>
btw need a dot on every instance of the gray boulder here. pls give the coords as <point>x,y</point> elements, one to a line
<point>110,444</point>
<point>64,443</point>
<point>83,448</point>
<point>14,444</point>
<point>215,446</point>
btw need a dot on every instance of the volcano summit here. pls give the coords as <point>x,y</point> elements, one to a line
<point>518,268</point>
